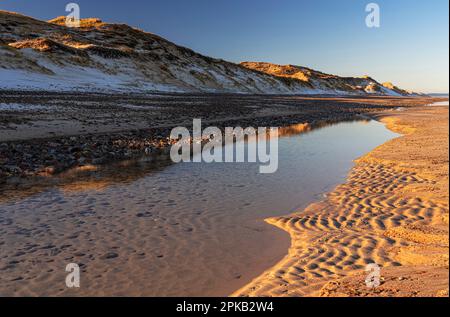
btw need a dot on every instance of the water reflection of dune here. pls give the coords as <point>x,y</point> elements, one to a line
<point>294,129</point>
<point>301,128</point>
<point>86,178</point>
<point>97,185</point>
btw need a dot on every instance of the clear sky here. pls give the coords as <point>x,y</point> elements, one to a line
<point>411,47</point>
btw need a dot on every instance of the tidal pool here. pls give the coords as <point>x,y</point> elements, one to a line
<point>159,229</point>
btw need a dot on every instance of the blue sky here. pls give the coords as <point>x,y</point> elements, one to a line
<point>411,48</point>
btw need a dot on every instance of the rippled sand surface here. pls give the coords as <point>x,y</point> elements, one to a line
<point>392,211</point>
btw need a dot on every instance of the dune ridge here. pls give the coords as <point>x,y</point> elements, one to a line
<point>108,57</point>
<point>392,211</point>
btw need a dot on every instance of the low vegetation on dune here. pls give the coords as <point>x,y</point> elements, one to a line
<point>84,23</point>
<point>322,81</point>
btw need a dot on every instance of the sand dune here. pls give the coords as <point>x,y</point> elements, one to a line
<point>393,211</point>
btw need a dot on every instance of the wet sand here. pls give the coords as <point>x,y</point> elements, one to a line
<point>393,211</point>
<point>143,230</point>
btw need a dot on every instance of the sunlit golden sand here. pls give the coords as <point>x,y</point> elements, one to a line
<point>393,211</point>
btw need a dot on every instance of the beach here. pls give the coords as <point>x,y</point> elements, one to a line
<point>139,228</point>
<point>392,211</point>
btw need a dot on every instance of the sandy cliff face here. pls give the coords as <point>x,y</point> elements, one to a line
<point>116,57</point>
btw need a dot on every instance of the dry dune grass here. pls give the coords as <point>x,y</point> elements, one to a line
<point>287,71</point>
<point>391,86</point>
<point>393,211</point>
<point>84,23</point>
<point>43,45</point>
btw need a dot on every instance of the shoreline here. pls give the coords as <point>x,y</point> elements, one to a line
<point>392,211</point>
<point>98,130</point>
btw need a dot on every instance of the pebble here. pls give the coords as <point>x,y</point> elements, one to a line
<point>28,158</point>
<point>109,255</point>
